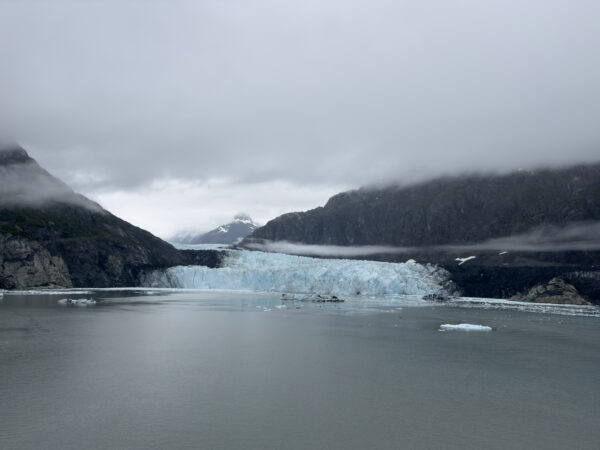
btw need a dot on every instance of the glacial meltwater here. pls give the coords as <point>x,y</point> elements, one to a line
<point>177,369</point>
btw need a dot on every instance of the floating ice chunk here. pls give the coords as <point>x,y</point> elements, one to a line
<point>502,253</point>
<point>464,260</point>
<point>76,302</point>
<point>464,327</point>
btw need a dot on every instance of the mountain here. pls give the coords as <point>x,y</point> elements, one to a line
<point>521,228</point>
<point>460,210</point>
<point>52,237</point>
<point>229,233</point>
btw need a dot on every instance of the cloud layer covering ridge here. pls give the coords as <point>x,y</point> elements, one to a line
<point>267,97</point>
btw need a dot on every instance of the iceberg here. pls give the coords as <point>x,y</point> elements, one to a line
<point>275,272</point>
<point>464,327</point>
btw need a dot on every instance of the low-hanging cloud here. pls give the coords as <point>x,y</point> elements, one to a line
<point>573,237</point>
<point>348,92</point>
<point>291,248</point>
<point>28,185</point>
<point>115,96</point>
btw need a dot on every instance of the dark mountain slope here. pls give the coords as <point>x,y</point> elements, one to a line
<point>52,237</point>
<point>462,210</point>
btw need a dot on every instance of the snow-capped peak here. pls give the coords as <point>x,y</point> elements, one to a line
<point>230,233</point>
<point>244,218</point>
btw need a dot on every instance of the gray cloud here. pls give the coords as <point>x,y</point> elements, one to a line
<point>114,95</point>
<point>575,236</point>
<point>292,248</point>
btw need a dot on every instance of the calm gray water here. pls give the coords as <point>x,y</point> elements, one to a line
<point>233,371</point>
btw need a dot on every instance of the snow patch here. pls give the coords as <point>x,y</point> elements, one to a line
<point>246,221</point>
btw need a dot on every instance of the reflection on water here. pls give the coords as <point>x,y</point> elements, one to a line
<point>167,369</point>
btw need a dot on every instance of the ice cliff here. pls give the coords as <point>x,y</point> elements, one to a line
<point>259,271</point>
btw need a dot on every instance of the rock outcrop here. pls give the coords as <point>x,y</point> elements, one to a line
<point>26,264</point>
<point>554,291</point>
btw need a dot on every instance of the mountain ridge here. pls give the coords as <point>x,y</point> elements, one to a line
<point>51,236</point>
<point>478,206</point>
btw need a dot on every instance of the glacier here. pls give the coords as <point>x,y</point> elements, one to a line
<point>245,270</point>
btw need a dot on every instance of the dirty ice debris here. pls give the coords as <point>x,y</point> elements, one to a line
<point>76,302</point>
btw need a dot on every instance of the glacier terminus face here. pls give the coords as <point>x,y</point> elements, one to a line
<point>274,272</point>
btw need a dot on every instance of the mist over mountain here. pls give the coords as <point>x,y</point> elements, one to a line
<point>51,236</point>
<point>291,102</point>
<point>229,233</point>
<point>446,211</point>
<point>25,183</point>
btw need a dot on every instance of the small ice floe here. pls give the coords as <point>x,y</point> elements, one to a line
<point>411,261</point>
<point>502,253</point>
<point>464,260</point>
<point>280,306</point>
<point>264,308</point>
<point>464,327</point>
<point>76,302</point>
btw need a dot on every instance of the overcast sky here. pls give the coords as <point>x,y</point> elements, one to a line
<point>177,115</point>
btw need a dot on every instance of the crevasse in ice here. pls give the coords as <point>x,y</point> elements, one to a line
<point>260,271</point>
